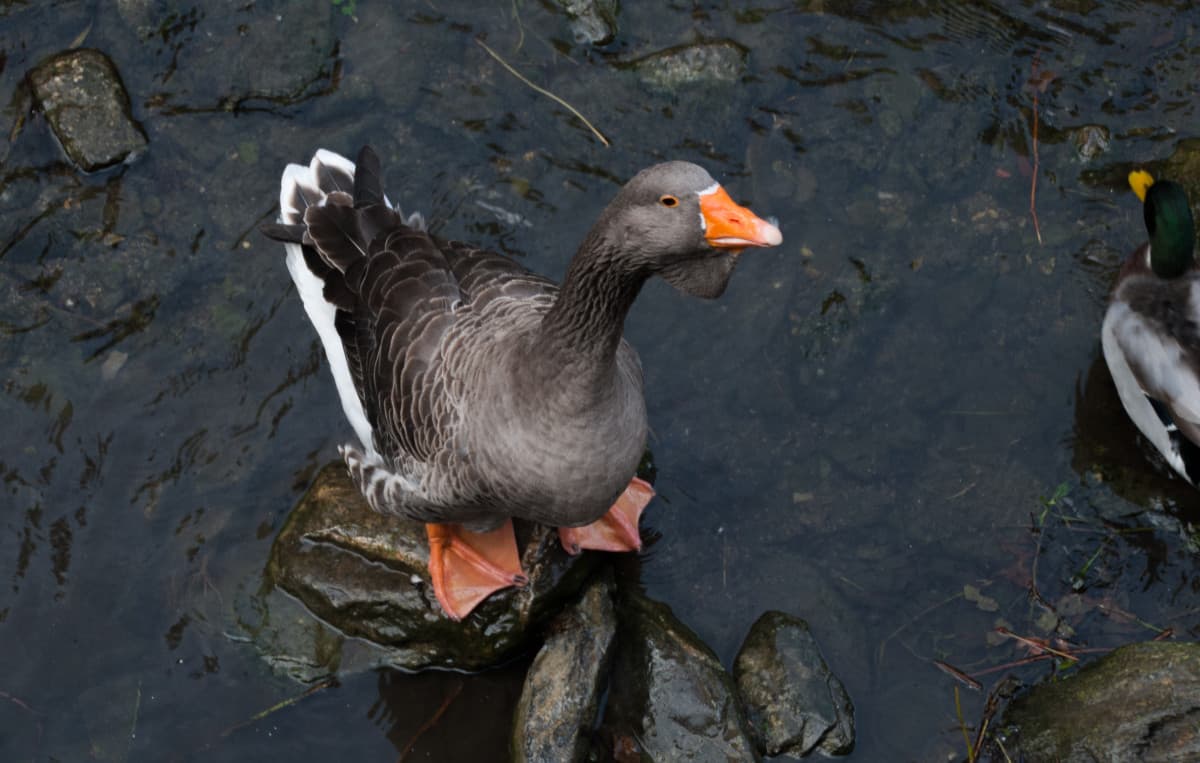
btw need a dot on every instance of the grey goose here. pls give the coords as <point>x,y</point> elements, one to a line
<point>480,391</point>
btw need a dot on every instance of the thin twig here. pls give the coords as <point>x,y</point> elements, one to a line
<point>1036,658</point>
<point>1033,567</point>
<point>543,91</point>
<point>17,701</point>
<point>1037,646</point>
<point>962,724</point>
<point>281,705</point>
<point>1033,183</point>
<point>137,706</point>
<point>25,706</point>
<point>989,711</point>
<point>961,493</point>
<point>958,675</point>
<point>883,644</point>
<point>981,733</point>
<point>433,719</point>
<point>516,14</point>
<point>1000,742</point>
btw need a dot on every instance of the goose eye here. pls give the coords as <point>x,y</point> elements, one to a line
<point>668,200</point>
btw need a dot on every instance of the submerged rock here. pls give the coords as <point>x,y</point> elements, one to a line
<point>561,697</point>
<point>1090,141</point>
<point>670,697</point>
<point>365,574</point>
<point>706,64</point>
<point>1183,166</point>
<point>794,704</point>
<point>1142,702</point>
<point>593,22</point>
<point>86,105</point>
<point>278,51</point>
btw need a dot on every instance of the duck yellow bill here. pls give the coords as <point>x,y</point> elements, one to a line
<point>1140,181</point>
<point>730,226</point>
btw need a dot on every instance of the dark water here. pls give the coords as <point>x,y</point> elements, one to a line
<point>863,431</point>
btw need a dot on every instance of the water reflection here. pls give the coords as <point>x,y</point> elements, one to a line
<point>1107,446</point>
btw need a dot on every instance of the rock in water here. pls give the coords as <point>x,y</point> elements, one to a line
<point>561,697</point>
<point>794,704</point>
<point>705,64</point>
<point>366,574</point>
<point>593,22</point>
<point>669,695</point>
<point>85,103</point>
<point>1142,702</point>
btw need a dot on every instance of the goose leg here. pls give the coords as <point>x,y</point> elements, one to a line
<point>617,530</point>
<point>467,567</point>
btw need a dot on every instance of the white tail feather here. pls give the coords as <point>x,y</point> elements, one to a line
<point>303,182</point>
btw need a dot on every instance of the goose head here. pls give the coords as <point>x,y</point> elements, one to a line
<point>673,220</point>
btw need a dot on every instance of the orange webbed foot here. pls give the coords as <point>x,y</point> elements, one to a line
<point>467,567</point>
<point>617,530</point>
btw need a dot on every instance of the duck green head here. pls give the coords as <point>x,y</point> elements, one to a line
<point>1168,217</point>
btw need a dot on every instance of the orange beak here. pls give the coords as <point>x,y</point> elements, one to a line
<point>729,226</point>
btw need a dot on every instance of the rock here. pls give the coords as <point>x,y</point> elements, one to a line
<point>365,574</point>
<point>558,706</point>
<point>1142,702</point>
<point>593,22</point>
<point>1183,166</point>
<point>794,704</point>
<point>1090,141</point>
<point>85,103</point>
<point>709,63</point>
<point>670,697</point>
<point>277,51</point>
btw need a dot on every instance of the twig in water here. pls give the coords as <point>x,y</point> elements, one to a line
<point>543,91</point>
<point>25,706</point>
<point>433,719</point>
<point>1000,742</point>
<point>883,644</point>
<point>958,675</point>
<point>1033,567</point>
<point>281,705</point>
<point>1033,182</point>
<point>1037,645</point>
<point>962,724</point>
<point>989,711</point>
<point>16,701</point>
<point>516,14</point>
<point>137,706</point>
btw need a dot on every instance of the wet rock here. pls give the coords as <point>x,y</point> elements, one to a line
<point>561,697</point>
<point>1183,166</point>
<point>709,63</point>
<point>275,51</point>
<point>86,105</point>
<point>1142,702</point>
<point>365,574</point>
<point>670,697</point>
<point>593,22</point>
<point>1090,141</point>
<point>793,703</point>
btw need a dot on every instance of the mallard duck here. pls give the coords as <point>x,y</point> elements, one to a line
<point>480,391</point>
<point>1151,334</point>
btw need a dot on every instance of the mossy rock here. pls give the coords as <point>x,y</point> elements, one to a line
<point>1142,702</point>
<point>366,575</point>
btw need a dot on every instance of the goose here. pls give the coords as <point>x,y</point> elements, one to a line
<point>479,391</point>
<point>1151,331</point>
